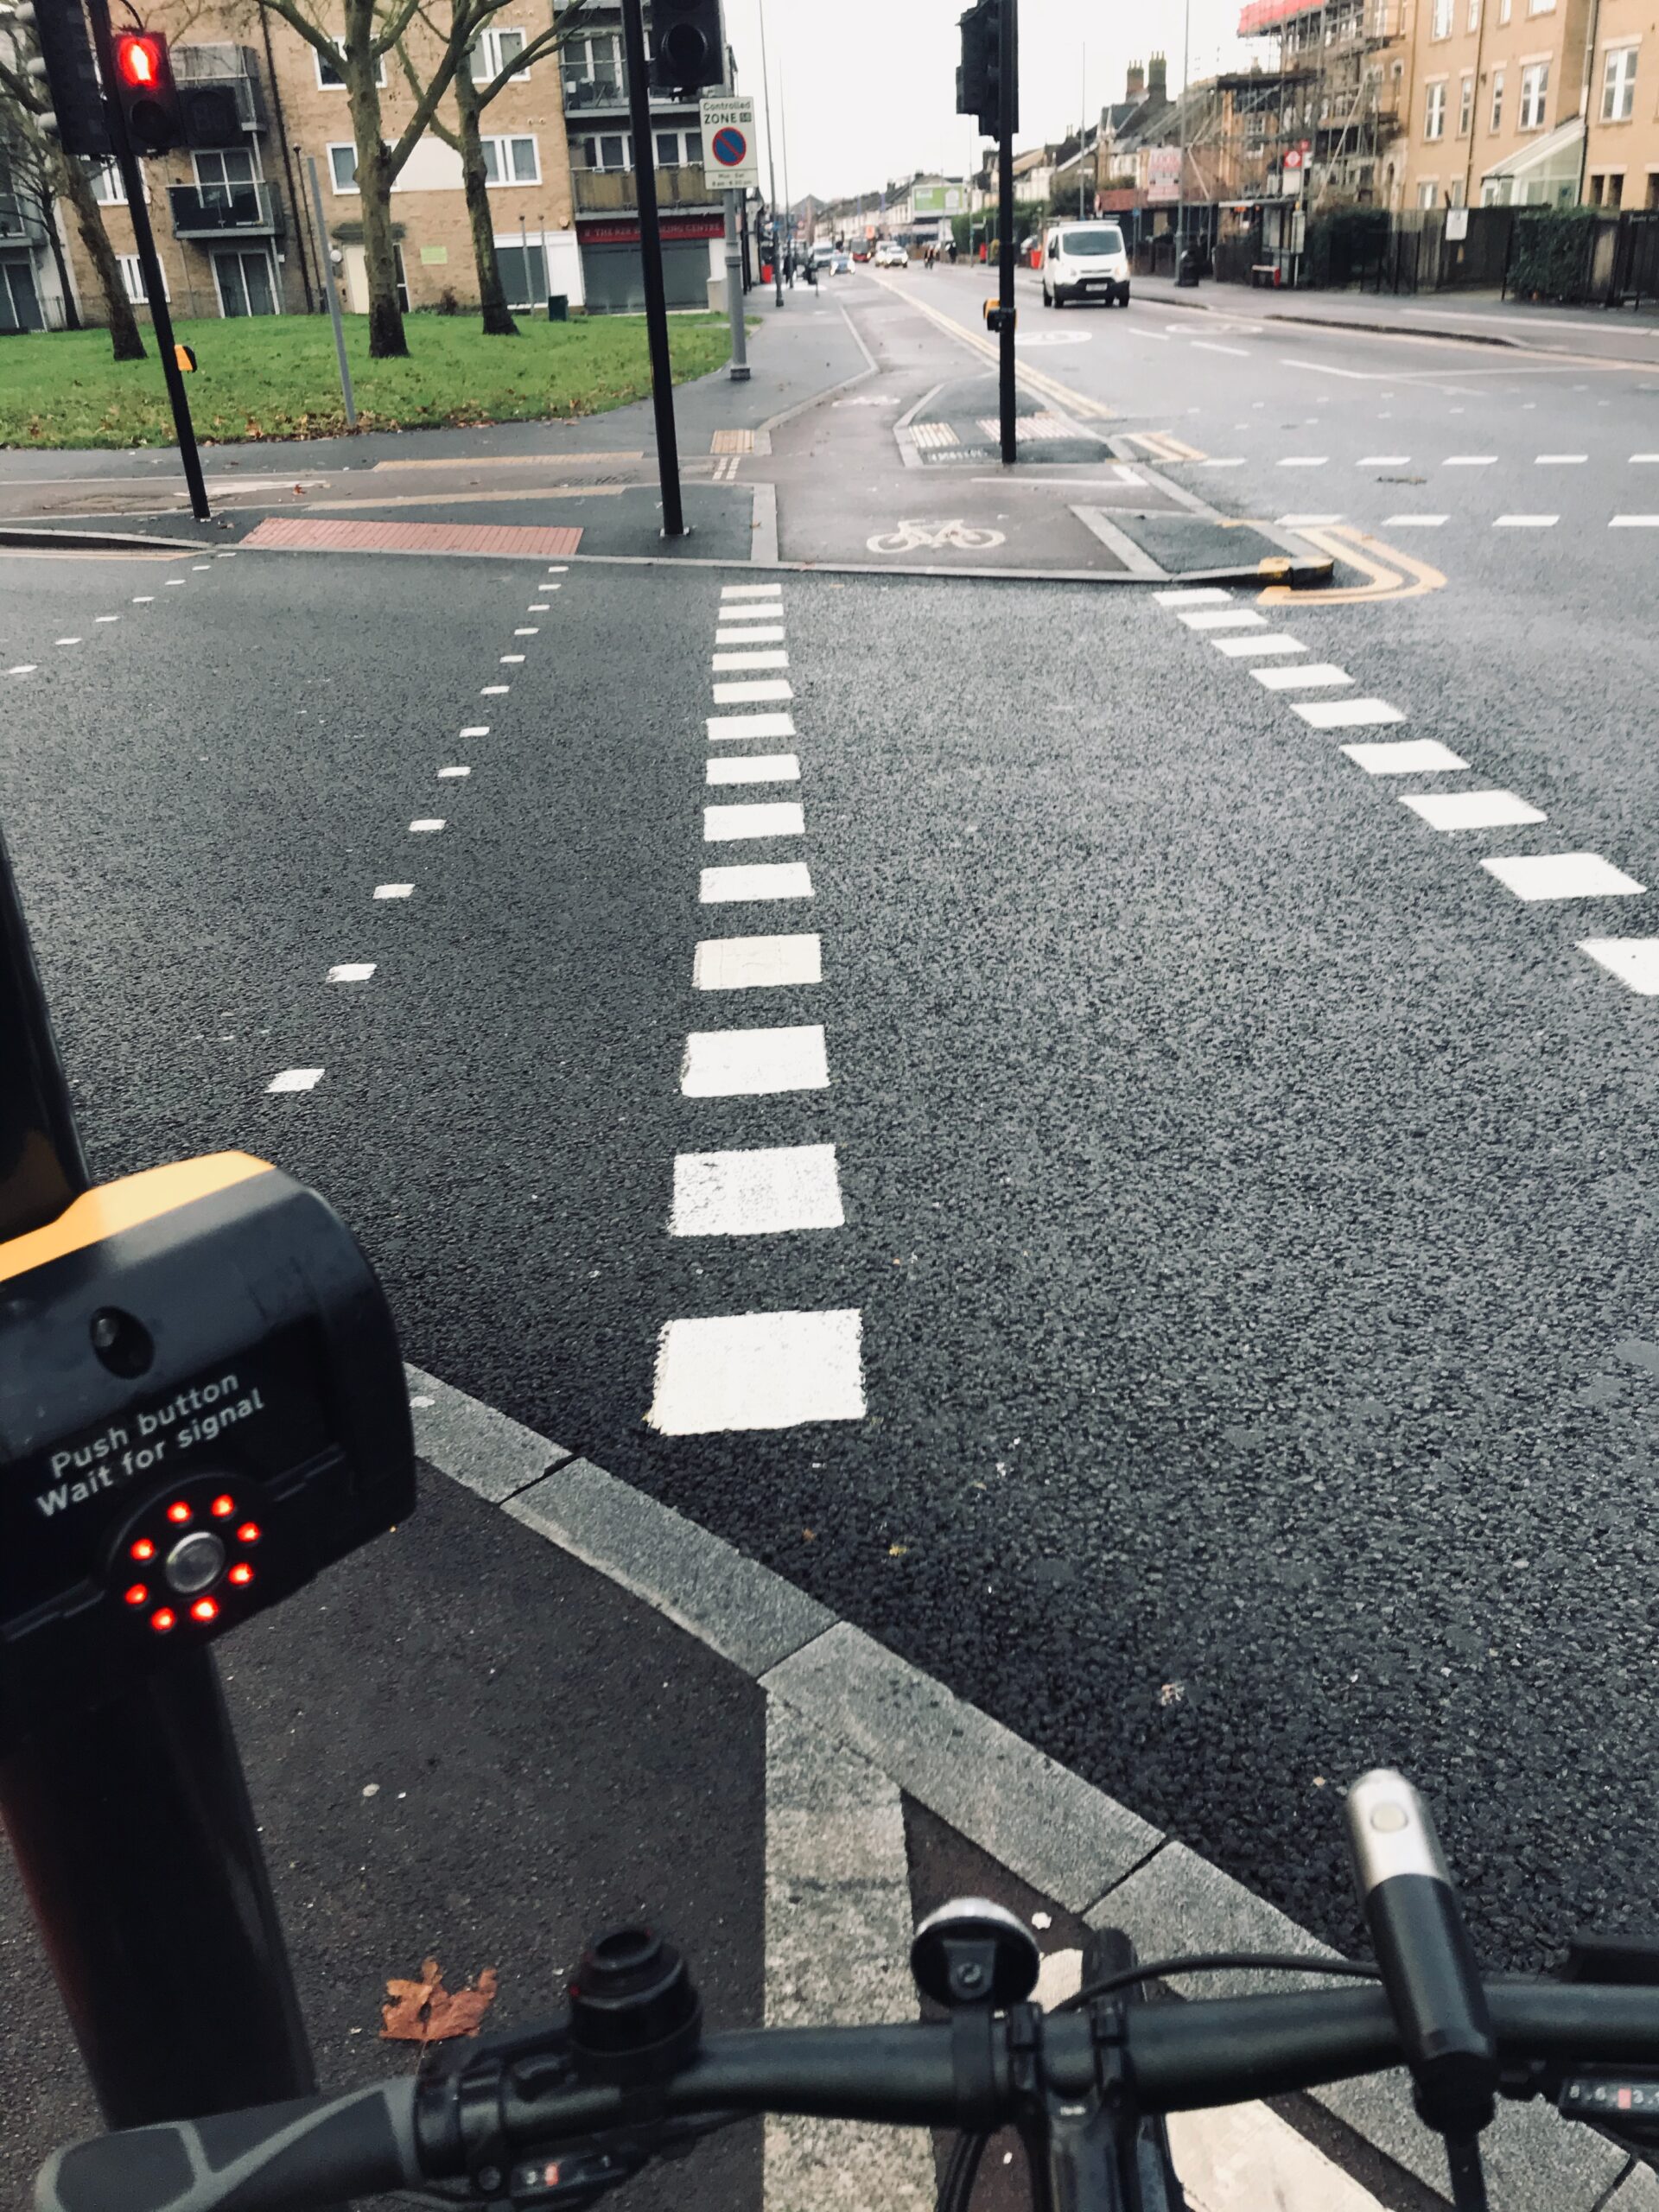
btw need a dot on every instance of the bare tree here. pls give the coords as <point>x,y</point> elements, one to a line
<point>21,108</point>
<point>467,21</point>
<point>25,170</point>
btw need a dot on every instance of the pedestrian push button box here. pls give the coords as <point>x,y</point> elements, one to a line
<point>201,1404</point>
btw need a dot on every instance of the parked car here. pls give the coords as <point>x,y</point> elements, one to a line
<point>890,255</point>
<point>862,252</point>
<point>822,255</point>
<point>1085,261</point>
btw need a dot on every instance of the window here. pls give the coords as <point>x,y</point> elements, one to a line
<point>1534,90</point>
<point>235,165</point>
<point>510,161</point>
<point>1497,101</point>
<point>1454,193</point>
<point>107,188</point>
<point>1618,84</point>
<point>132,280</point>
<point>1465,105</point>
<point>1504,8</point>
<point>1426,194</point>
<point>679,150</point>
<point>1653,188</point>
<point>1474,15</point>
<point>593,61</point>
<point>613,151</point>
<point>1440,23</point>
<point>524,273</point>
<point>330,81</point>
<point>492,51</point>
<point>1541,7</point>
<point>1434,114</point>
<point>342,167</point>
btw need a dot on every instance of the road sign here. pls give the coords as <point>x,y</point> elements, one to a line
<point>1293,157</point>
<point>730,163</point>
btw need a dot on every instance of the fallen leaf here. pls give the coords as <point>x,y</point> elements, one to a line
<point>1172,1692</point>
<point>425,2011</point>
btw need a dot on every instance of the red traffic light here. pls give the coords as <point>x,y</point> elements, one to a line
<point>140,60</point>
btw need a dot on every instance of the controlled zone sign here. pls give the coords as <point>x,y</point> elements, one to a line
<point>730,160</point>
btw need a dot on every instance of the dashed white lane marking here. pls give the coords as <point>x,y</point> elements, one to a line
<point>1525,522</point>
<point>394,890</point>
<point>1218,618</point>
<point>352,971</point>
<point>510,660</point>
<point>1305,460</point>
<point>770,635</point>
<point>720,887</point>
<point>107,618</point>
<point>761,1193</point>
<point>1382,460</point>
<point>424,824</point>
<point>773,818</point>
<point>1223,461</point>
<point>67,641</point>
<point>757,610</point>
<point>775,660</point>
<point>758,1370</point>
<point>145,598</point>
<point>752,591</point>
<point>1414,522</point>
<point>172,584</point>
<point>495,690</point>
<point>1634,960</point>
<point>756,768</point>
<point>723,728</point>
<point>753,1063</point>
<point>759,688</point>
<point>1562,875</point>
<point>1634,522</point>
<point>1469,461</point>
<point>197,568</point>
<point>1637,459</point>
<point>24,668</point>
<point>1560,460</point>
<point>455,772</point>
<point>1207,346</point>
<point>1472,809</point>
<point>1306,522</point>
<point>1194,595</point>
<point>1270,641</point>
<point>1158,337</point>
<point>1309,677</point>
<point>476,729</point>
<point>1345,714</point>
<point>538,606</point>
<point>295,1079</point>
<point>534,631</point>
<point>1413,756</point>
<point>755,963</point>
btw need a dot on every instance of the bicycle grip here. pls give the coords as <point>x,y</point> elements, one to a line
<point>309,2151</point>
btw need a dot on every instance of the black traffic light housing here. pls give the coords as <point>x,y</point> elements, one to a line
<point>687,46</point>
<point>148,95</point>
<point>980,89</point>
<point>64,73</point>
<point>210,115</point>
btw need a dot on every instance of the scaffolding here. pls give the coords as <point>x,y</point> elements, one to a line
<point>1333,99</point>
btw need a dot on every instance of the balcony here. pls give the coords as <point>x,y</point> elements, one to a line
<point>218,210</point>
<point>613,192</point>
<point>609,95</point>
<point>232,69</point>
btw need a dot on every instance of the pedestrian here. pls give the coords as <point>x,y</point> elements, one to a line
<point>953,253</point>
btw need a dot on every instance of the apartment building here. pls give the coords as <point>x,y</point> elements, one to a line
<point>1495,113</point>
<point>1621,158</point>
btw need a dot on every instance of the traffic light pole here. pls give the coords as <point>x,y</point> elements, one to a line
<point>650,255</point>
<point>149,267</point>
<point>130,1824</point>
<point>1007,77</point>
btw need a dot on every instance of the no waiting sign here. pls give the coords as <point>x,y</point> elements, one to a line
<point>729,162</point>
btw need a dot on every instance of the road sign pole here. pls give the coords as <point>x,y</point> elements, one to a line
<point>150,268</point>
<point>651,256</point>
<point>739,372</point>
<point>1008,73</point>
<point>333,291</point>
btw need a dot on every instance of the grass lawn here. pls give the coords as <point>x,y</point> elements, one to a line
<point>275,377</point>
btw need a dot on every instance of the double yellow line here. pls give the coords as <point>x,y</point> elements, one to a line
<point>1060,395</point>
<point>1391,573</point>
<point>1159,445</point>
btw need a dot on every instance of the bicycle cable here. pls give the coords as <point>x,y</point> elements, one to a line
<point>1214,1962</point>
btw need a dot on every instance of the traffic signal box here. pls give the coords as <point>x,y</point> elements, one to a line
<point>687,46</point>
<point>980,89</point>
<point>201,1403</point>
<point>65,74</point>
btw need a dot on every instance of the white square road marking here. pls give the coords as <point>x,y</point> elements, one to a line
<point>426,826</point>
<point>752,591</point>
<point>772,659</point>
<point>495,690</point>
<point>1525,522</point>
<point>761,1193</point>
<point>1270,641</point>
<point>1306,521</point>
<point>394,890</point>
<point>754,610</point>
<point>295,1079</point>
<point>510,660</point>
<point>1204,595</point>
<point>1305,460</point>
<point>1563,875</point>
<point>1469,461</point>
<point>24,668</point>
<point>1414,522</point>
<point>455,772</point>
<point>1560,460</point>
<point>758,1370</point>
<point>1415,756</point>
<point>352,971</point>
<point>1472,809</point>
<point>756,768</point>
<point>1345,714</point>
<point>753,1063</point>
<point>1305,676</point>
<point>753,963</point>
<point>1382,460</point>
<point>1637,458</point>
<point>760,689</point>
<point>1224,618</point>
<point>476,729</point>
<point>1634,522</point>
<point>776,818</point>
<point>1634,960</point>
<point>721,886</point>
<point>723,728</point>
<point>534,631</point>
<point>768,634</point>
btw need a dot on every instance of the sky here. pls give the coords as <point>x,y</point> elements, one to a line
<point>875,97</point>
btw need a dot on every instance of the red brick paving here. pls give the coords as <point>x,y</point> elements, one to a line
<point>317,534</point>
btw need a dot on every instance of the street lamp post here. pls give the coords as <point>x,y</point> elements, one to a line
<point>771,169</point>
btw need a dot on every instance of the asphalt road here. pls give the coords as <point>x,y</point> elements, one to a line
<point>1245,1193</point>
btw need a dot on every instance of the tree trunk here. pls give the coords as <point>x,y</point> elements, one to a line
<point>492,292</point>
<point>59,261</point>
<point>77,189</point>
<point>386,339</point>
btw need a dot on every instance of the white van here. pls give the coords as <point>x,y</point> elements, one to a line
<point>1084,261</point>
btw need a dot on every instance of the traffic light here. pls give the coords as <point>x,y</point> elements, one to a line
<point>979,89</point>
<point>64,75</point>
<point>144,86</point>
<point>687,47</point>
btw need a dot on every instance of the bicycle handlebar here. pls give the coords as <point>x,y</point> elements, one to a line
<point>318,2151</point>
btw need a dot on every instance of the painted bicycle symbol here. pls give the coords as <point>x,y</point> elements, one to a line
<point>934,536</point>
